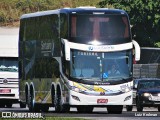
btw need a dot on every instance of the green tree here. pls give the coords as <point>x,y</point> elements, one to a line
<point>144,17</point>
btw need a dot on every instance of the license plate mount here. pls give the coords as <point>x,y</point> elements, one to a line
<point>5,90</point>
<point>101,101</point>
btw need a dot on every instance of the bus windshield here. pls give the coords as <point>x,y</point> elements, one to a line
<point>8,64</point>
<point>99,27</point>
<point>97,66</point>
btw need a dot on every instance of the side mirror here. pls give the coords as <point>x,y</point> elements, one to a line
<point>137,50</point>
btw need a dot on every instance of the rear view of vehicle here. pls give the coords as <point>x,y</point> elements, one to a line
<point>9,90</point>
<point>148,93</point>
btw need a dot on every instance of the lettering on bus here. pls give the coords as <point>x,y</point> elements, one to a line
<point>88,53</point>
<point>46,46</point>
<point>100,48</point>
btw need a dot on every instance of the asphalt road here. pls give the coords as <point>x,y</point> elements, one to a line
<point>98,113</point>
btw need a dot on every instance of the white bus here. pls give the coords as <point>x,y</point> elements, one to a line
<point>9,80</point>
<point>66,55</point>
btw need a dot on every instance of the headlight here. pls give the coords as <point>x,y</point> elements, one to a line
<point>146,94</point>
<point>127,90</point>
<point>76,89</point>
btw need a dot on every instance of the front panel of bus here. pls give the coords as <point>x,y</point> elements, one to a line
<point>97,42</point>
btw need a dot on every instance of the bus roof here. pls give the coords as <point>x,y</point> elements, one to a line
<point>80,10</point>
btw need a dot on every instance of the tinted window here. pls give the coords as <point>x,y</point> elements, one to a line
<point>99,27</point>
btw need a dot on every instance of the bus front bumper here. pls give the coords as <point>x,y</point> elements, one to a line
<point>102,100</point>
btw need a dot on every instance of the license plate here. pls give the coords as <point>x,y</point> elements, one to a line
<point>5,90</point>
<point>102,100</point>
<point>155,98</point>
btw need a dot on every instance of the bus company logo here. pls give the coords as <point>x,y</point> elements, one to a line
<point>5,81</point>
<point>90,48</point>
<point>101,48</point>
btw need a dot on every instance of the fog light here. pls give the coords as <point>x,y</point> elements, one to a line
<point>127,98</point>
<point>75,98</point>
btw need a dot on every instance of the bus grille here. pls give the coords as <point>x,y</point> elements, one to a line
<point>8,82</point>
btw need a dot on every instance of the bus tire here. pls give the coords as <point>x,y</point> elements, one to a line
<point>9,105</point>
<point>58,101</point>
<point>59,106</point>
<point>32,106</point>
<point>66,108</point>
<point>129,107</point>
<point>2,105</point>
<point>22,105</point>
<point>45,108</point>
<point>27,95</point>
<point>139,106</point>
<point>115,109</point>
<point>30,103</point>
<point>53,93</point>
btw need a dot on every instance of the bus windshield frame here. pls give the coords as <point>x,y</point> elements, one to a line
<point>95,66</point>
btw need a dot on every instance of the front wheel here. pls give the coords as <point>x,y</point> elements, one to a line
<point>59,106</point>
<point>139,106</point>
<point>22,105</point>
<point>129,107</point>
<point>115,109</point>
